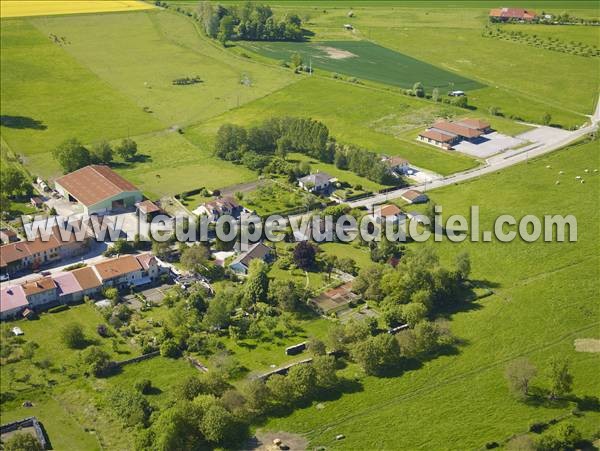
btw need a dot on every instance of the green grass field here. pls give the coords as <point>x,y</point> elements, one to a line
<point>173,165</point>
<point>128,62</point>
<point>544,300</point>
<point>366,60</point>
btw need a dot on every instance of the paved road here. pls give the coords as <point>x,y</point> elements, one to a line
<point>553,142</point>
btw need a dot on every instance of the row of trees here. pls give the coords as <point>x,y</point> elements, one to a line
<point>364,163</point>
<point>73,155</point>
<point>249,21</point>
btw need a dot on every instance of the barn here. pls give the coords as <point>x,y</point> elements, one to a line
<point>98,189</point>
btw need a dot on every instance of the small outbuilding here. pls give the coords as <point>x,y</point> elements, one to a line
<point>414,197</point>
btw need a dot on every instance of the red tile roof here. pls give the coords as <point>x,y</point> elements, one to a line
<point>411,194</point>
<point>457,129</point>
<point>87,278</point>
<point>95,183</point>
<point>476,124</point>
<point>116,267</point>
<point>39,286</point>
<point>148,206</point>
<point>389,210</point>
<point>512,13</point>
<point>437,136</point>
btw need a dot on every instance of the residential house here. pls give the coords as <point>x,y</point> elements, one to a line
<point>88,281</point>
<point>511,14</point>
<point>242,262</point>
<point>319,183</point>
<point>12,302</point>
<point>69,289</point>
<point>388,213</point>
<point>397,164</point>
<point>224,206</point>
<point>41,292</point>
<point>414,197</point>
<point>148,209</point>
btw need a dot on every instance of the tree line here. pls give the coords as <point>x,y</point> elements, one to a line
<point>73,155</point>
<point>264,148</point>
<point>250,22</point>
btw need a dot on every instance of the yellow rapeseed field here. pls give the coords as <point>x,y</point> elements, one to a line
<point>22,8</point>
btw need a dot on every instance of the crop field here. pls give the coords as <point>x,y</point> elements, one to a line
<point>23,8</point>
<point>366,60</point>
<point>544,299</point>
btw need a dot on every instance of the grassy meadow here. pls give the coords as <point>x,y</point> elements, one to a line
<point>544,299</point>
<point>128,61</point>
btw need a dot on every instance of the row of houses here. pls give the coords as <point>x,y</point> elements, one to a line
<point>71,286</point>
<point>44,249</point>
<point>446,134</point>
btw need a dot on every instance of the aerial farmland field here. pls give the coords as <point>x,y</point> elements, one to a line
<point>25,8</point>
<point>367,60</point>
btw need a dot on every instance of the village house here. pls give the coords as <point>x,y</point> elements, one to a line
<point>446,134</point>
<point>224,206</point>
<point>12,302</point>
<point>148,210</point>
<point>397,165</point>
<point>388,213</point>
<point>511,14</point>
<point>414,197</point>
<point>258,250</point>
<point>319,183</point>
<point>98,189</point>
<point>88,281</point>
<point>41,292</point>
<point>44,249</point>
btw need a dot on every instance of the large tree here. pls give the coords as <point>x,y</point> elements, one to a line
<point>127,149</point>
<point>257,284</point>
<point>194,257</point>
<point>13,180</point>
<point>102,153</point>
<point>561,379</point>
<point>305,255</point>
<point>72,155</point>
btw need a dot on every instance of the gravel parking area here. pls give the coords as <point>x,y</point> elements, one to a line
<point>490,144</point>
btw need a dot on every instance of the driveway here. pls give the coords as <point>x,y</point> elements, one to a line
<point>489,144</point>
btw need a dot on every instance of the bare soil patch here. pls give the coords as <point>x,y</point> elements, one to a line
<point>587,345</point>
<point>337,54</point>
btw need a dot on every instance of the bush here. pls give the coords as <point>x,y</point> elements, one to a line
<point>22,441</point>
<point>98,361</point>
<point>170,349</point>
<point>72,336</point>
